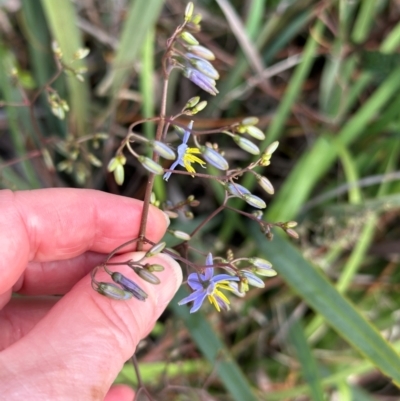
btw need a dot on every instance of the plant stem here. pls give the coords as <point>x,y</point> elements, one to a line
<point>150,181</point>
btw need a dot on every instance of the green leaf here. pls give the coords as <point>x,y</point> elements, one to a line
<point>321,295</point>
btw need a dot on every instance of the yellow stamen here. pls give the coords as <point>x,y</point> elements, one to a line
<point>189,158</point>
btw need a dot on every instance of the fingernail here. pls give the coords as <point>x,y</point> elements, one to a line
<point>168,221</point>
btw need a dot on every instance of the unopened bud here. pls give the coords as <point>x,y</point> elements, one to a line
<point>192,102</point>
<point>112,291</point>
<point>254,201</point>
<point>154,267</point>
<point>237,189</point>
<point>189,38</point>
<point>203,66</point>
<point>163,150</point>
<point>94,160</point>
<point>202,52</point>
<point>199,107</point>
<point>146,275</point>
<point>171,214</point>
<point>189,215</point>
<point>156,249</point>
<point>189,11</point>
<point>265,184</point>
<point>292,233</point>
<point>249,121</point>
<point>180,234</point>
<point>151,165</point>
<point>81,53</point>
<point>255,132</point>
<point>291,224</point>
<point>271,148</point>
<point>260,263</point>
<point>129,285</point>
<point>246,145</point>
<point>214,158</point>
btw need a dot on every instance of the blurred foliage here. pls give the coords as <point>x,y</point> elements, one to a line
<point>323,77</point>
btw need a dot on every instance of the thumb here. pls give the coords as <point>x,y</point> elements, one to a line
<point>78,348</point>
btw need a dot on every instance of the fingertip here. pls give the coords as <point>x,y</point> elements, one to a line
<point>120,392</point>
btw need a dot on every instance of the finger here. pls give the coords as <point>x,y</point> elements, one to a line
<point>57,277</point>
<point>20,316</point>
<point>55,224</point>
<point>120,393</point>
<point>79,347</point>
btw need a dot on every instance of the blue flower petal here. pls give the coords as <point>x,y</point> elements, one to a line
<point>193,296</point>
<point>223,277</point>
<point>198,301</point>
<point>187,133</point>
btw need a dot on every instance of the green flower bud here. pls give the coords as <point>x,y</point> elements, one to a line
<point>147,276</point>
<point>214,158</point>
<point>151,165</point>
<point>196,19</point>
<point>202,52</point>
<point>81,53</point>
<point>271,148</point>
<point>199,107</point>
<point>291,224</point>
<point>246,145</point>
<point>192,102</point>
<point>112,291</point>
<point>154,267</point>
<point>265,184</point>
<point>189,11</point>
<point>260,263</point>
<point>163,150</point>
<point>180,234</point>
<point>254,201</point>
<point>156,249</point>
<point>189,38</point>
<point>266,273</point>
<point>249,121</point>
<point>255,132</point>
<point>94,160</point>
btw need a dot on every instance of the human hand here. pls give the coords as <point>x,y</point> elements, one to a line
<point>71,348</point>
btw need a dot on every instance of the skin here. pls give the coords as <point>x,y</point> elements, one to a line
<point>71,347</point>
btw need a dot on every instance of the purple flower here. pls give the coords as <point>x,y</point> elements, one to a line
<point>201,80</point>
<point>207,285</point>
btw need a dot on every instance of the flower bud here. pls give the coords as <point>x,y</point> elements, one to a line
<point>129,285</point>
<point>163,150</point>
<point>258,214</point>
<point>151,165</point>
<point>237,189</point>
<point>146,275</point>
<point>265,160</point>
<point>189,215</point>
<point>260,263</point>
<point>202,52</point>
<point>112,291</point>
<point>81,53</point>
<point>94,160</point>
<point>292,233</point>
<point>189,11</point>
<point>252,279</point>
<point>246,145</point>
<point>291,224</point>
<point>199,107</point>
<point>249,121</point>
<point>154,267</point>
<point>255,132</point>
<point>192,102</point>
<point>266,273</point>
<point>116,165</point>
<point>196,19</point>
<point>203,66</point>
<point>265,184</point>
<point>156,249</point>
<point>180,234</point>
<point>214,158</point>
<point>189,38</point>
<point>254,201</point>
<point>171,214</point>
<point>201,80</point>
<point>271,148</point>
